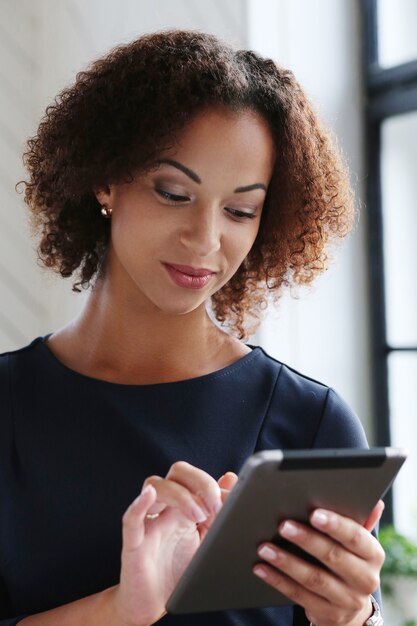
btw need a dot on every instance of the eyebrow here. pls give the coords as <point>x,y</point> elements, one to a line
<point>197,179</point>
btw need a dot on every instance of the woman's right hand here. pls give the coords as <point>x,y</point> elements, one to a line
<point>156,551</point>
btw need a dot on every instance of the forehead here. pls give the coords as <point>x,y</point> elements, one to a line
<point>219,141</point>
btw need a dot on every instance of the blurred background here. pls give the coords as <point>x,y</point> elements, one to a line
<point>356,328</point>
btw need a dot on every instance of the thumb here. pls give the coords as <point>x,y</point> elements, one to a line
<point>228,481</point>
<point>374,516</point>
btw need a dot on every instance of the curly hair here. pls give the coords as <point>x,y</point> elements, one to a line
<point>129,105</point>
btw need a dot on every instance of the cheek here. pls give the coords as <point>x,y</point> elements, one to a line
<point>123,235</point>
<point>243,244</point>
<point>128,242</point>
<point>133,226</point>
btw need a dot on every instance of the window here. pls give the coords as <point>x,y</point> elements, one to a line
<point>390,72</point>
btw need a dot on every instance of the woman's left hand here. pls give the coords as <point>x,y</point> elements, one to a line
<point>353,556</point>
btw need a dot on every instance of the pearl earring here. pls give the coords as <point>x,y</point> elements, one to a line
<point>106,211</point>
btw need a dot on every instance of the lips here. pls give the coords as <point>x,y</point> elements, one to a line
<point>191,271</point>
<point>187,276</point>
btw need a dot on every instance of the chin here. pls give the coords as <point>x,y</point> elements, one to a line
<point>175,307</point>
<point>179,310</point>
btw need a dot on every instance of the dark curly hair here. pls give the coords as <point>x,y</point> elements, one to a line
<point>129,105</point>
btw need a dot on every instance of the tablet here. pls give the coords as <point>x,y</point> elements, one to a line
<point>275,485</point>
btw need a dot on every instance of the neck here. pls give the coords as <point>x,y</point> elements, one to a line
<point>130,342</point>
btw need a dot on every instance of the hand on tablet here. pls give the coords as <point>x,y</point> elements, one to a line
<point>161,531</point>
<point>353,556</point>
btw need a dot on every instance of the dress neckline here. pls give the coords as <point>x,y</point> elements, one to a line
<point>219,373</point>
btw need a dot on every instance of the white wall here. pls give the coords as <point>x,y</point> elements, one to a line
<point>22,308</point>
<point>325,333</point>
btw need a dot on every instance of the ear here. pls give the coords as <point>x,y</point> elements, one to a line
<point>103,194</point>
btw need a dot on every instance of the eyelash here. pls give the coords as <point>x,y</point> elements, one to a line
<point>173,198</point>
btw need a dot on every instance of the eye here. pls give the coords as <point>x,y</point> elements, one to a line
<point>171,197</point>
<point>240,214</point>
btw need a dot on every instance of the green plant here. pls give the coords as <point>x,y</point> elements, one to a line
<point>400,559</point>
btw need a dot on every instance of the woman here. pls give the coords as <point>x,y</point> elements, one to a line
<point>176,172</point>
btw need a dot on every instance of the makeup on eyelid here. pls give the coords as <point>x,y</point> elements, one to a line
<point>177,198</point>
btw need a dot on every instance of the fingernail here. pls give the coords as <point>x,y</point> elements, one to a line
<point>198,514</point>
<point>320,518</point>
<point>267,553</point>
<point>259,572</point>
<point>288,529</point>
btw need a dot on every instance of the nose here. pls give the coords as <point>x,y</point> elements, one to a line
<point>201,234</point>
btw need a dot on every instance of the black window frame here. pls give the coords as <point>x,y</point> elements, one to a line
<point>387,92</point>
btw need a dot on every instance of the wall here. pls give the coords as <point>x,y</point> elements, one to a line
<point>22,305</point>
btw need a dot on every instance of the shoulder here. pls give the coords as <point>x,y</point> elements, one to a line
<point>15,364</point>
<point>17,371</point>
<point>4,374</point>
<point>4,356</point>
<point>305,412</point>
<point>14,358</point>
<point>291,381</point>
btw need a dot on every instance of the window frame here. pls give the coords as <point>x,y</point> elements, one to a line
<point>388,92</point>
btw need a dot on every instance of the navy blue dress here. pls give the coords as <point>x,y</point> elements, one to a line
<point>75,450</point>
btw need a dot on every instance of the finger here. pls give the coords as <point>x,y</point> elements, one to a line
<point>317,608</point>
<point>172,494</point>
<point>299,595</point>
<point>134,518</point>
<point>352,535</point>
<point>204,488</point>
<point>311,577</point>
<point>357,572</point>
<point>228,481</point>
<point>374,516</point>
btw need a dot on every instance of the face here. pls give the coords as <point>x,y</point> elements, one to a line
<point>180,231</point>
